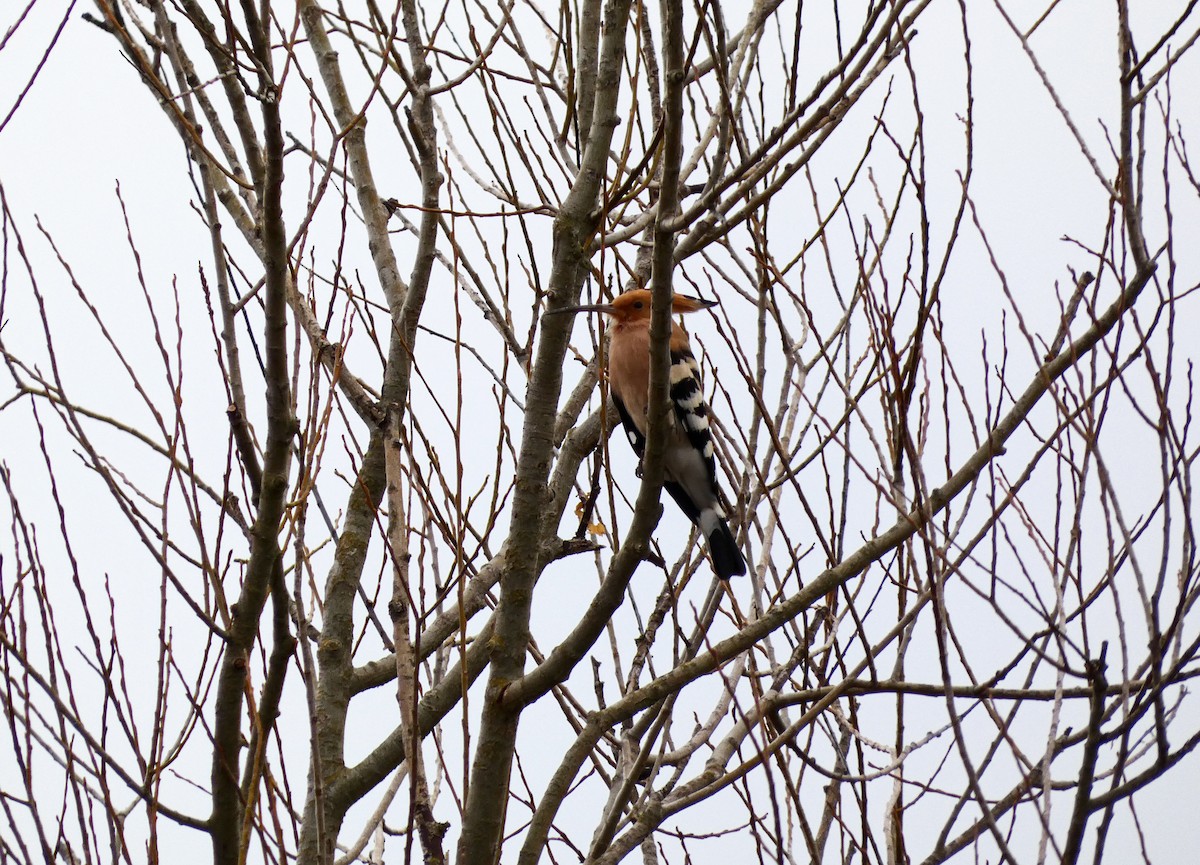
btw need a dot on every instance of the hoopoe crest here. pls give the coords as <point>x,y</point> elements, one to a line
<point>690,464</point>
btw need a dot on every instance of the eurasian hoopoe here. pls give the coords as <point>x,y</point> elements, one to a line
<point>690,466</point>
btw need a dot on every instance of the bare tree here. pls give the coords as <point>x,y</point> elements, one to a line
<point>407,599</point>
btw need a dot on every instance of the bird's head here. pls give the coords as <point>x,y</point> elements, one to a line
<point>635,306</point>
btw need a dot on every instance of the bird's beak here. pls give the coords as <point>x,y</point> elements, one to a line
<point>606,308</point>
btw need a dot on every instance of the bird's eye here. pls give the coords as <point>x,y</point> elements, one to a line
<point>637,304</point>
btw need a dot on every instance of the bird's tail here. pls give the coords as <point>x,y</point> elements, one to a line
<point>726,557</point>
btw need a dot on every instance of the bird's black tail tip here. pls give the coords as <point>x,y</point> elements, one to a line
<point>726,557</point>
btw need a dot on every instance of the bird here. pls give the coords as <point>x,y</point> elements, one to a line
<point>690,466</point>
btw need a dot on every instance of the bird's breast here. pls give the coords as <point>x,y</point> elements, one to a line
<point>629,370</point>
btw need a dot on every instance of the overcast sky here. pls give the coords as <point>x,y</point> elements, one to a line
<point>87,125</point>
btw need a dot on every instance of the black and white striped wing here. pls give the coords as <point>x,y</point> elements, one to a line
<point>631,431</point>
<point>691,409</point>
